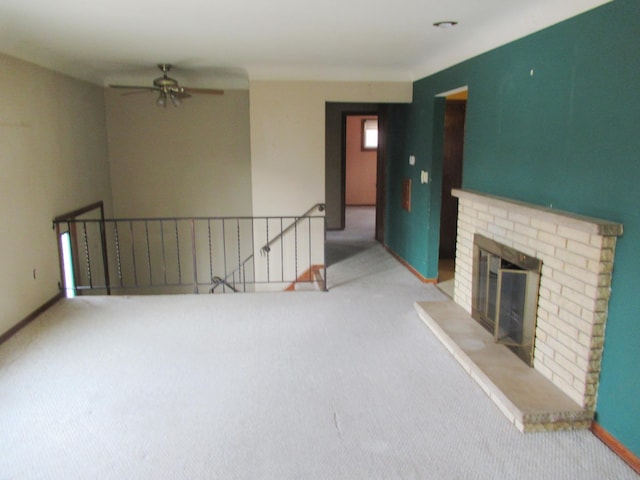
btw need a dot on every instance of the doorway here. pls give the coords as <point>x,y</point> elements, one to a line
<point>336,141</point>
<point>452,166</point>
<point>360,167</point>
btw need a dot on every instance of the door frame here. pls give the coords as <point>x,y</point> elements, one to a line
<point>444,96</point>
<point>336,112</point>
<point>343,190</point>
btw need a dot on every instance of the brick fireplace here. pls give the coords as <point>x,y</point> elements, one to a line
<point>577,256</point>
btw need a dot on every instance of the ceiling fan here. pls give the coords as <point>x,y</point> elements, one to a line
<point>168,88</point>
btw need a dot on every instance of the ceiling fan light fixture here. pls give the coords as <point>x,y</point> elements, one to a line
<point>162,100</point>
<point>168,89</point>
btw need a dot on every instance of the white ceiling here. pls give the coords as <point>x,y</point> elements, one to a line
<point>223,43</point>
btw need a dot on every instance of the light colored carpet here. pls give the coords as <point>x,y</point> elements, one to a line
<point>347,384</point>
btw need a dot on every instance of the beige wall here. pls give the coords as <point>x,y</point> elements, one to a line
<point>53,156</point>
<point>360,166</point>
<point>193,160</point>
<point>66,143</point>
<point>287,138</point>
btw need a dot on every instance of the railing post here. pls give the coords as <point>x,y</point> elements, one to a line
<point>266,223</point>
<point>164,253</point>
<point>86,253</point>
<point>224,251</point>
<point>118,257</point>
<point>146,233</point>
<point>133,253</point>
<point>210,252</point>
<point>175,223</point>
<point>295,239</point>
<point>240,264</point>
<point>324,254</point>
<point>194,254</point>
<point>311,277</point>
<point>105,259</point>
<point>281,251</point>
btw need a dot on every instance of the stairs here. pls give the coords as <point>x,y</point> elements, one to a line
<point>310,279</point>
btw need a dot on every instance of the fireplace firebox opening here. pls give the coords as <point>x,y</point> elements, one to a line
<point>505,294</point>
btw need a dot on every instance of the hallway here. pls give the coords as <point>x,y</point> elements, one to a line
<point>358,235</point>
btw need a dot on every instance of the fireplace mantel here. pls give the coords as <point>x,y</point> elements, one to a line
<point>577,254</point>
<point>580,223</point>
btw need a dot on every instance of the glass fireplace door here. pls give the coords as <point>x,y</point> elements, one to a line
<point>505,294</point>
<point>488,273</point>
<point>512,285</point>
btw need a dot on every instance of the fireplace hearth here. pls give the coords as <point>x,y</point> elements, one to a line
<point>576,255</point>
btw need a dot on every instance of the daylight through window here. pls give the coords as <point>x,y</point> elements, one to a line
<point>370,134</point>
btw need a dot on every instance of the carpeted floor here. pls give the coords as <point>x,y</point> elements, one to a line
<point>347,384</point>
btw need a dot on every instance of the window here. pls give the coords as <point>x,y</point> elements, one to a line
<point>370,134</point>
<point>67,263</point>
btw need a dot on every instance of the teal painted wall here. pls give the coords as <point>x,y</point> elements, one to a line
<point>552,119</point>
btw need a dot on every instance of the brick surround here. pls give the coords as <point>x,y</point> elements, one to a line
<point>577,261</point>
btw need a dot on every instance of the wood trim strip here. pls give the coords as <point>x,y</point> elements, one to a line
<point>29,318</point>
<point>76,213</point>
<point>610,441</point>
<point>410,268</point>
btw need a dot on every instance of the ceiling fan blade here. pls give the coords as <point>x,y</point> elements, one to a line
<point>136,92</point>
<point>181,94</point>
<point>133,87</point>
<point>208,91</point>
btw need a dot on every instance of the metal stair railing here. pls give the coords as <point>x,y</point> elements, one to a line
<point>265,249</point>
<point>188,254</point>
